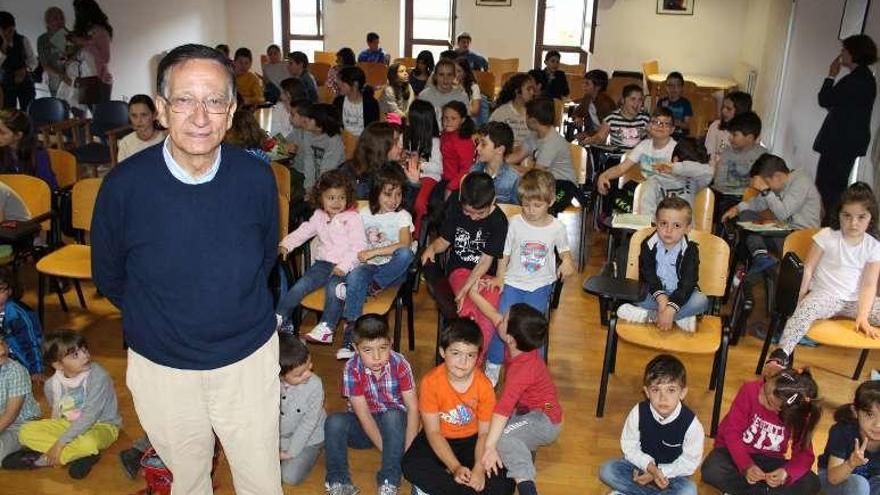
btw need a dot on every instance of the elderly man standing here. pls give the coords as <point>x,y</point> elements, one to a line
<point>184,236</point>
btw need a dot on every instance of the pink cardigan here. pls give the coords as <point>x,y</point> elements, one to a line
<point>341,238</point>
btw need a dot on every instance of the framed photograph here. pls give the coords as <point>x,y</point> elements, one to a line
<point>675,7</point>
<point>855,13</point>
<point>493,3</point>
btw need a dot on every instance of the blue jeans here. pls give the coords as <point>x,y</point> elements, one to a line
<point>538,299</point>
<point>618,474</point>
<point>343,430</point>
<point>853,485</point>
<point>697,304</point>
<point>358,281</point>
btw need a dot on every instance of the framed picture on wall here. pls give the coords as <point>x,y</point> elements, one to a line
<point>675,7</point>
<point>493,3</point>
<point>855,12</point>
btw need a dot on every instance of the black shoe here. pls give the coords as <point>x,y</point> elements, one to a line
<point>23,459</point>
<point>777,362</point>
<point>131,462</point>
<point>80,468</point>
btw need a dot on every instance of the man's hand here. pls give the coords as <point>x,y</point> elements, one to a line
<point>282,250</point>
<point>834,68</point>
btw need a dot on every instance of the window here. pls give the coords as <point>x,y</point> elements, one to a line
<point>566,26</point>
<point>302,24</point>
<point>429,25</point>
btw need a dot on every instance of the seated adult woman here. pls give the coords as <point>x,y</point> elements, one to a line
<point>397,94</point>
<point>443,89</point>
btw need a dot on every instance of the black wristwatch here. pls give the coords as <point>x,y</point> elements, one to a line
<point>765,192</point>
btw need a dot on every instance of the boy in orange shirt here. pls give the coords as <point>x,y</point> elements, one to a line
<point>456,401</point>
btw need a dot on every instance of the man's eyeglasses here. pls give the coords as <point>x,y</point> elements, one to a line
<point>187,104</point>
<point>661,123</point>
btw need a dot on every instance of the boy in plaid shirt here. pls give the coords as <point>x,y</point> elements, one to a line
<point>383,410</point>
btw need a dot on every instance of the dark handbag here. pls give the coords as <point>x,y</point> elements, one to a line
<point>89,89</point>
<point>788,285</point>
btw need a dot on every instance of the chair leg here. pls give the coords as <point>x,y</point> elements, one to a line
<point>440,325</point>
<point>713,376</point>
<point>606,366</point>
<point>862,358</point>
<point>719,384</point>
<point>410,320</point>
<point>60,293</point>
<point>398,315</point>
<point>771,331</point>
<point>41,283</point>
<point>614,350</point>
<point>555,295</point>
<point>79,294</point>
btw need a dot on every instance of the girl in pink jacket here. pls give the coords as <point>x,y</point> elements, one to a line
<point>341,237</point>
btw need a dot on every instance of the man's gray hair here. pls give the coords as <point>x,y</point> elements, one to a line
<point>185,53</point>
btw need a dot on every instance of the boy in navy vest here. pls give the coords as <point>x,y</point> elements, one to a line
<point>662,440</point>
<point>17,60</point>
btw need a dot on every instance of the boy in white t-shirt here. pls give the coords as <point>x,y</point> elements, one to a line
<point>527,271</point>
<point>647,154</point>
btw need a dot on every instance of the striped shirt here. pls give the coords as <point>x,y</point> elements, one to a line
<point>626,133</point>
<point>383,392</point>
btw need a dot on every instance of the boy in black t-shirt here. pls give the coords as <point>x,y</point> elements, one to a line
<point>475,229</point>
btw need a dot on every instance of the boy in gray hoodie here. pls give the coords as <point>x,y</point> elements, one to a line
<point>789,194</point>
<point>85,416</point>
<point>684,177</point>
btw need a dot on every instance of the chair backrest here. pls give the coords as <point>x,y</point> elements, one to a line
<point>578,161</point>
<point>325,94</point>
<point>510,210</point>
<point>283,216</point>
<point>799,242</point>
<point>558,107</point>
<point>377,73</point>
<point>408,62</point>
<point>319,70</point>
<point>34,193</point>
<point>575,86</point>
<point>616,85</point>
<point>704,209</point>
<point>705,109</point>
<point>714,254</point>
<point>507,75</point>
<point>650,67</point>
<point>499,66</point>
<point>637,199</point>
<point>282,179</point>
<point>63,165</point>
<point>349,142</point>
<point>573,68</point>
<point>690,90</point>
<point>486,82</point>
<point>325,58</point>
<point>48,110</point>
<point>85,192</point>
<point>109,115</point>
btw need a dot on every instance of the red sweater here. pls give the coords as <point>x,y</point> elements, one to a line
<point>458,156</point>
<point>751,429</point>
<point>528,387</point>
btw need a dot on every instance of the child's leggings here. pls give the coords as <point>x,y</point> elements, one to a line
<point>819,306</point>
<point>469,310</point>
<point>42,434</point>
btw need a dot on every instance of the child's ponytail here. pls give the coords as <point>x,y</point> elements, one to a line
<point>800,410</point>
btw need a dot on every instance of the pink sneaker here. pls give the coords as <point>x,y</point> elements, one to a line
<point>321,334</point>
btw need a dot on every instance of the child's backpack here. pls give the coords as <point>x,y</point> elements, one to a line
<point>24,336</point>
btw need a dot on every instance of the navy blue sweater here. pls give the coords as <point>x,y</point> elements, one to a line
<point>188,265</point>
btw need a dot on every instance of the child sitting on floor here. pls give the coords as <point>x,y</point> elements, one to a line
<point>17,404</point>
<point>849,465</point>
<point>383,410</point>
<point>85,416</point>
<point>669,270</point>
<point>456,402</point>
<point>662,439</point>
<point>302,410</point>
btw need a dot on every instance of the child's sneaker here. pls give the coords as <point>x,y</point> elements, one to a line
<point>778,361</point>
<point>23,459</point>
<point>131,462</point>
<point>633,313</point>
<point>688,324</point>
<point>341,489</point>
<point>340,291</point>
<point>761,263</point>
<point>493,372</point>
<point>278,321</point>
<point>80,468</point>
<point>373,289</point>
<point>345,352</point>
<point>287,328</point>
<point>321,334</point>
<point>386,488</point>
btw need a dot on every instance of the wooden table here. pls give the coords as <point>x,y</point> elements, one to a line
<point>702,81</point>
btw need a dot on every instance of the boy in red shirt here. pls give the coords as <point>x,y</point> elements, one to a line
<point>456,401</point>
<point>527,415</point>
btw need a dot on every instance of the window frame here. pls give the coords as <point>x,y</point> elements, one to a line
<point>409,40</point>
<point>540,47</point>
<point>288,37</point>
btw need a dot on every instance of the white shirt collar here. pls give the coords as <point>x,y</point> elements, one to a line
<point>182,175</point>
<point>668,419</point>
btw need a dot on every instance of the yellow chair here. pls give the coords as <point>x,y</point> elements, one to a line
<point>705,109</point>
<point>573,68</point>
<point>408,62</point>
<point>320,70</point>
<point>501,66</point>
<point>325,94</point>
<point>282,179</point>
<point>505,77</point>
<point>704,210</point>
<point>575,86</point>
<point>377,73</point>
<point>616,85</point>
<point>63,165</point>
<point>349,142</point>
<point>35,194</point>
<point>649,68</point>
<point>73,261</point>
<point>328,58</point>
<point>711,336</point>
<point>486,82</point>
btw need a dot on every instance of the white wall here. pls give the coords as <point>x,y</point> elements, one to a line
<point>872,161</point>
<point>763,48</point>
<point>501,32</point>
<point>249,24</point>
<point>347,22</point>
<point>629,32</point>
<point>142,32</point>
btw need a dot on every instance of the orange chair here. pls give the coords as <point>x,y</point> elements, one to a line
<point>377,74</point>
<point>486,82</point>
<point>328,58</point>
<point>349,141</point>
<point>575,86</point>
<point>320,70</point>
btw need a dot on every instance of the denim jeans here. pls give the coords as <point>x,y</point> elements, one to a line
<point>618,474</point>
<point>358,281</point>
<point>697,304</point>
<point>343,430</point>
<point>538,299</point>
<point>853,485</point>
<point>319,274</point>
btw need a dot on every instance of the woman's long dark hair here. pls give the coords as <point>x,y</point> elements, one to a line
<point>467,80</point>
<point>372,147</point>
<point>88,14</point>
<point>401,89</point>
<point>24,158</point>
<point>427,58</point>
<point>421,129</point>
<point>859,192</point>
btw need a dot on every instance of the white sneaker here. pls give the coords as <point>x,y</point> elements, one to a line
<point>321,334</point>
<point>493,372</point>
<point>345,352</point>
<point>688,324</point>
<point>633,313</point>
<point>340,291</point>
<point>386,488</point>
<point>278,320</point>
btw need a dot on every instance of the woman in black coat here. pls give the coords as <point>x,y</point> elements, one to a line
<point>846,131</point>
